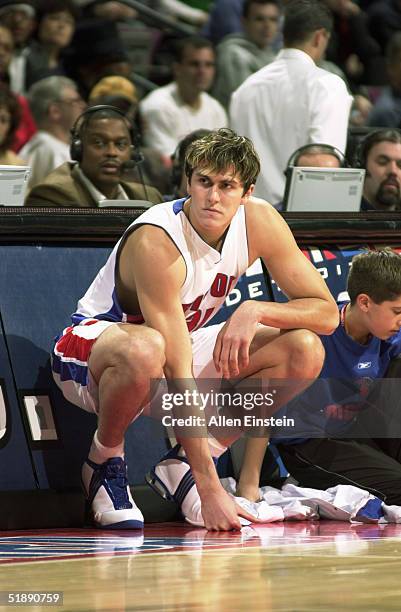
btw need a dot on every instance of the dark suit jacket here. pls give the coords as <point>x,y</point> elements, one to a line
<point>62,188</point>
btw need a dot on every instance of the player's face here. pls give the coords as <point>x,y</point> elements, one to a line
<point>384,320</point>
<point>106,146</point>
<point>382,185</point>
<point>215,199</point>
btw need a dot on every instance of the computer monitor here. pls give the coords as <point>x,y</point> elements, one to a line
<point>323,189</point>
<point>13,184</point>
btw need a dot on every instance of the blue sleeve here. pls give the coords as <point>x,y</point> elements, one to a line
<point>395,345</point>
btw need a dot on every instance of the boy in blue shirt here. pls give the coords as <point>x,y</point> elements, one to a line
<point>347,448</point>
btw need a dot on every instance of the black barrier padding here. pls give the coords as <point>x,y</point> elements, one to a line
<point>39,288</point>
<point>16,467</point>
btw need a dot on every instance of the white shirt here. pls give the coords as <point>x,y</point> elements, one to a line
<point>285,105</point>
<point>43,153</point>
<point>17,71</point>
<point>168,119</point>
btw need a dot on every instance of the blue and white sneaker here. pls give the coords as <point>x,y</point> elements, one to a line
<point>108,495</point>
<point>173,480</point>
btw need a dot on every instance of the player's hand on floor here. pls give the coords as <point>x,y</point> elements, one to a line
<point>221,513</point>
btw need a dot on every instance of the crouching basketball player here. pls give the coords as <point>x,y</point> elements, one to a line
<point>143,318</point>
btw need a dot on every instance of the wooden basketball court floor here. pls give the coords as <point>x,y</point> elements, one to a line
<point>294,566</point>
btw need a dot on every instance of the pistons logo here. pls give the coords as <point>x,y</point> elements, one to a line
<point>195,315</point>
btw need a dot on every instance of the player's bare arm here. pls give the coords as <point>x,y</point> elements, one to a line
<point>310,305</point>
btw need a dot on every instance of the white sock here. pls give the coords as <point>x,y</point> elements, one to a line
<point>99,453</point>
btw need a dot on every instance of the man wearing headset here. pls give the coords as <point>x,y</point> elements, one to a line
<point>314,155</point>
<point>102,148</point>
<point>380,154</point>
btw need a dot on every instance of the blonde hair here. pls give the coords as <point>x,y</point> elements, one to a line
<point>116,86</point>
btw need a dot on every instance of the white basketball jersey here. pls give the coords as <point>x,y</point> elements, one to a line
<point>210,275</point>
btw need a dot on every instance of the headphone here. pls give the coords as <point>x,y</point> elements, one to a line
<point>326,149</point>
<point>76,147</point>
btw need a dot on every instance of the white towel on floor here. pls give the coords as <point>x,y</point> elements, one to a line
<point>340,503</point>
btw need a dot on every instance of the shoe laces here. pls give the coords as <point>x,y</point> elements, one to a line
<point>113,473</point>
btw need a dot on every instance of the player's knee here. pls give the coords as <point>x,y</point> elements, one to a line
<point>144,354</point>
<point>307,355</point>
<point>155,347</point>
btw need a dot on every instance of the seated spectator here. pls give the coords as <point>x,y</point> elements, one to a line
<point>55,104</point>
<point>55,28</point>
<point>178,177</point>
<point>26,126</point>
<point>9,119</point>
<point>317,156</point>
<point>387,110</point>
<point>101,146</point>
<point>172,111</point>
<point>241,54</point>
<point>96,51</point>
<point>380,154</point>
<point>313,156</point>
<point>19,17</point>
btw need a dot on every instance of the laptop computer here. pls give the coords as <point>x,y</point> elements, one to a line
<point>13,184</point>
<point>323,189</point>
<point>125,204</point>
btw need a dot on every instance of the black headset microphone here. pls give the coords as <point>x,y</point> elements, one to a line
<point>136,155</point>
<point>136,161</point>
